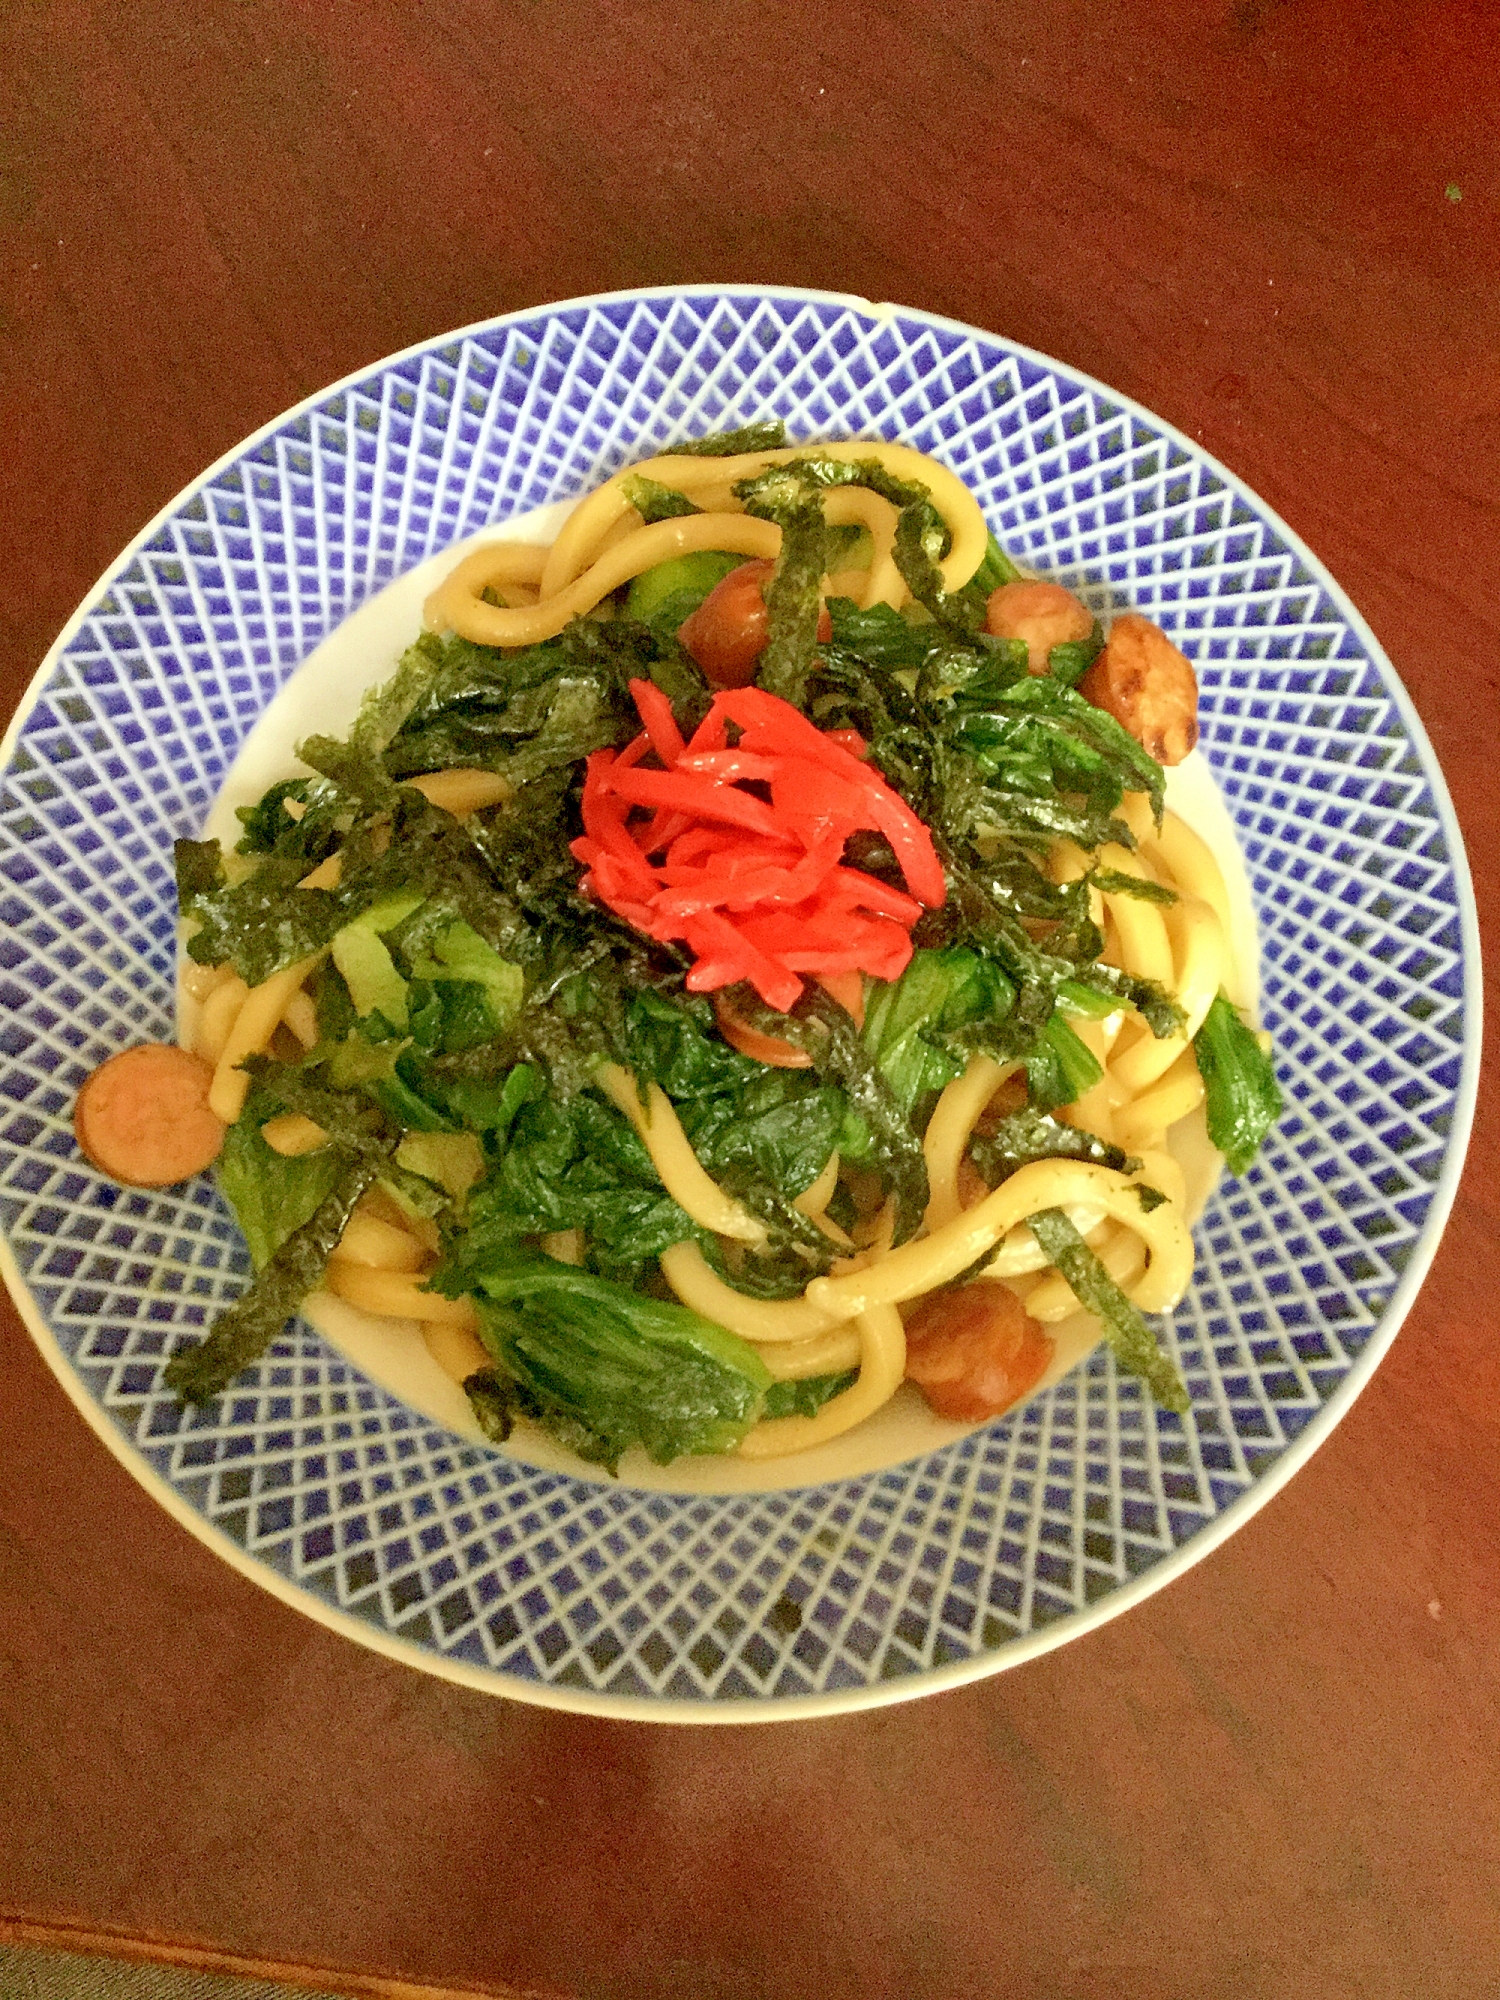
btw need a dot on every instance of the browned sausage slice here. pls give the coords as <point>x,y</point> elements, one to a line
<point>1044,615</point>
<point>974,1351</point>
<point>143,1116</point>
<point>1147,686</point>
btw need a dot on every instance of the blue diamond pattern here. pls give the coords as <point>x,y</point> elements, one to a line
<point>596,1595</point>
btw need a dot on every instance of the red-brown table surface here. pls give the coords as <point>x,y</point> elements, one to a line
<point>1275,223</point>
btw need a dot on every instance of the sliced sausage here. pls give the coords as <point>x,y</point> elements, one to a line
<point>143,1116</point>
<point>1044,615</point>
<point>1148,686</point>
<point>727,634</point>
<point>974,1351</point>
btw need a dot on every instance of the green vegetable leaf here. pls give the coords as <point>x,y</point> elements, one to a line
<point>880,636</point>
<point>996,569</point>
<point>840,1056</point>
<point>270,1194</point>
<point>763,1134</point>
<point>605,1367</point>
<point>909,1024</point>
<point>1070,661</point>
<point>805,1397</point>
<point>1040,738</point>
<point>662,597</point>
<point>1084,1003</point>
<point>579,1165</point>
<point>1061,1068</point>
<point>365,963</point>
<point>1243,1097</point>
<point>457,954</point>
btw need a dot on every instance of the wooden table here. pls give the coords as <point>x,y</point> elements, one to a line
<point>1275,223</point>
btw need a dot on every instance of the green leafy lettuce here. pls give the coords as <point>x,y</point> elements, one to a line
<point>1244,1099</point>
<point>603,1366</point>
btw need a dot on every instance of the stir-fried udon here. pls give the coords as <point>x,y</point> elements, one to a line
<point>741,962</point>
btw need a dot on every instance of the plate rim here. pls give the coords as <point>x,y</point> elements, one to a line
<point>1011,1653</point>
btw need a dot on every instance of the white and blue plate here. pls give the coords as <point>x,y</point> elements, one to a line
<point>347,1501</point>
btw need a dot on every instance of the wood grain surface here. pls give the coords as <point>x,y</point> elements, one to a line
<point>1275,223</point>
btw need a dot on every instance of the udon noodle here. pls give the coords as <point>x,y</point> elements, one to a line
<point>508,594</point>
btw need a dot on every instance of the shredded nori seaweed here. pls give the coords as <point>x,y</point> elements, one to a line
<point>242,1334</point>
<point>1131,1341</point>
<point>767,436</point>
<point>784,496</point>
<point>655,502</point>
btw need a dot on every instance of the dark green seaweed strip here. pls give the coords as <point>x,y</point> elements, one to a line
<point>1113,882</point>
<point>655,502</point>
<point>767,436</point>
<point>1131,1341</point>
<point>243,1333</point>
<point>1028,1135</point>
<point>792,596</point>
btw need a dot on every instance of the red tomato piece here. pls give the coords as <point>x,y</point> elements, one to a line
<point>975,1351</point>
<point>727,634</point>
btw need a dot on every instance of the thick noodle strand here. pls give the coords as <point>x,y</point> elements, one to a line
<point>882,1364</point>
<point>935,1260</point>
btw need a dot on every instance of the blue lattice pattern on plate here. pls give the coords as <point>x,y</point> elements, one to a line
<point>601,1595</point>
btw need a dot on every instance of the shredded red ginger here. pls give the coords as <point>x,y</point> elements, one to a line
<point>755,889</point>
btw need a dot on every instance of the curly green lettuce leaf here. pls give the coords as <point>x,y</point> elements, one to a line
<point>270,1194</point>
<point>910,1023</point>
<point>1038,739</point>
<point>574,1165</point>
<point>763,1134</point>
<point>605,1367</point>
